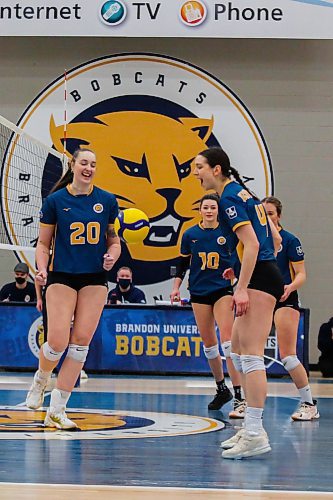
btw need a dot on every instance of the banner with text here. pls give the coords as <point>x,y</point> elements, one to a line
<point>169,18</point>
<point>131,340</point>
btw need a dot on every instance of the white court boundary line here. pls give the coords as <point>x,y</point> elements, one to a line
<point>166,489</point>
<point>20,405</point>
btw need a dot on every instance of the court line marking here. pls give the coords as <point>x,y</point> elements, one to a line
<point>166,488</point>
<point>20,405</point>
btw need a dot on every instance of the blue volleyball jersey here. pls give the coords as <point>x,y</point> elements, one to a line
<point>81,223</point>
<point>209,258</point>
<point>236,208</point>
<point>289,252</point>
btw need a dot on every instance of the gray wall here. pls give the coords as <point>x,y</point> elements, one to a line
<point>288,87</point>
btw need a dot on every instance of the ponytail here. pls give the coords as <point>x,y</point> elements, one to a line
<point>66,179</point>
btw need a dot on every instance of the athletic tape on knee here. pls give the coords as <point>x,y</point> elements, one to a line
<point>236,359</point>
<point>78,352</point>
<point>226,346</point>
<point>290,362</point>
<point>50,354</point>
<point>212,352</point>
<point>252,363</point>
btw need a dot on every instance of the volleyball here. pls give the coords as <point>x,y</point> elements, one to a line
<point>132,225</point>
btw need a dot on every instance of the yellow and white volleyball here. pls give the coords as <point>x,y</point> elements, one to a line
<point>132,225</point>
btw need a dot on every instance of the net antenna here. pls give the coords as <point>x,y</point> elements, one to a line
<point>29,169</point>
<point>65,112</point>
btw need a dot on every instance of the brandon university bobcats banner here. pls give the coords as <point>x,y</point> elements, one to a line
<point>147,117</point>
<point>132,339</point>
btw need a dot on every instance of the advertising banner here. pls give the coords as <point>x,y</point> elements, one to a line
<point>168,18</point>
<point>132,339</point>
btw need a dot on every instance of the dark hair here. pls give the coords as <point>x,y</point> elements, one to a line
<point>67,178</point>
<point>274,201</point>
<point>210,196</point>
<point>217,156</point>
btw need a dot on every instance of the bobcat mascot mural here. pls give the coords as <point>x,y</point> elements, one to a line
<point>146,160</point>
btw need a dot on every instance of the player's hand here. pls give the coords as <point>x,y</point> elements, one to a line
<point>241,301</point>
<point>287,292</point>
<point>108,262</point>
<point>174,296</point>
<point>39,305</point>
<point>41,277</point>
<point>228,274</point>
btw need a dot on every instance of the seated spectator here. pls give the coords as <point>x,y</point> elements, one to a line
<point>20,290</point>
<point>125,292</point>
<point>325,345</point>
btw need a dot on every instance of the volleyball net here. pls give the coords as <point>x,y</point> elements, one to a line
<point>29,169</point>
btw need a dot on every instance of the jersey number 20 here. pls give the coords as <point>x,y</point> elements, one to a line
<point>82,234</point>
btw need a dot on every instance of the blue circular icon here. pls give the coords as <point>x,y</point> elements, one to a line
<point>113,12</point>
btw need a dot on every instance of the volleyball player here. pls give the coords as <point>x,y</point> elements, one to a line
<point>243,220</point>
<point>290,259</point>
<point>204,250</point>
<point>77,222</point>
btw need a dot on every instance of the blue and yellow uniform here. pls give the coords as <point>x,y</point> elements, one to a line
<point>210,256</point>
<point>290,252</point>
<point>80,223</point>
<point>237,207</point>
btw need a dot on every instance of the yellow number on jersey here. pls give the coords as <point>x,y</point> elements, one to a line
<point>261,214</point>
<point>210,260</point>
<point>82,234</point>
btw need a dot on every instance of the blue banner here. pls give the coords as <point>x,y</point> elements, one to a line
<point>131,339</point>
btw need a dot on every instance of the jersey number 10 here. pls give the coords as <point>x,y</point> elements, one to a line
<point>209,260</point>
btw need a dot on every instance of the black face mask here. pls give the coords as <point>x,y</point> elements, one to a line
<point>124,282</point>
<point>20,280</point>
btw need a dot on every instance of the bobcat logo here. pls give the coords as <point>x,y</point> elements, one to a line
<point>146,116</point>
<point>20,423</point>
<point>146,160</point>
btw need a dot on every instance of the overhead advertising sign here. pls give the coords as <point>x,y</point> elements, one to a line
<point>168,18</point>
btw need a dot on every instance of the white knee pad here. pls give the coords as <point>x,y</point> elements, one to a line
<point>226,346</point>
<point>252,363</point>
<point>78,352</point>
<point>212,352</point>
<point>50,354</point>
<point>236,359</point>
<point>290,362</point>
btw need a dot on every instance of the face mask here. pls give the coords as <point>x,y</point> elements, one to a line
<point>20,280</point>
<point>124,282</point>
